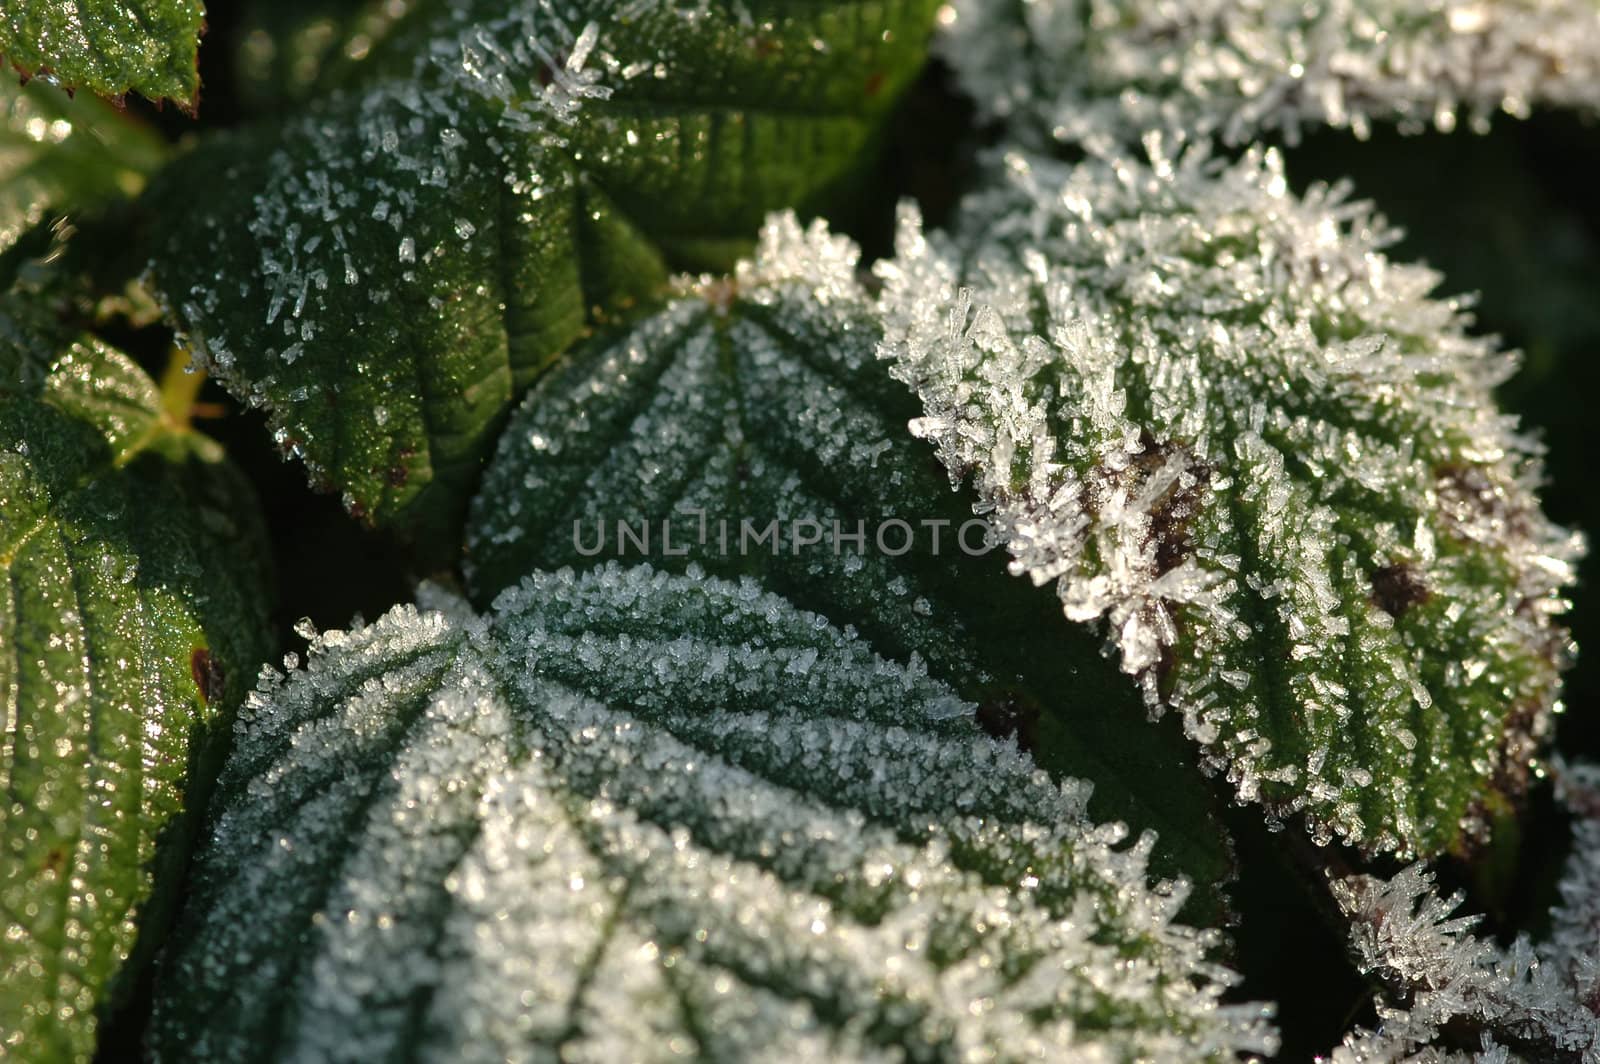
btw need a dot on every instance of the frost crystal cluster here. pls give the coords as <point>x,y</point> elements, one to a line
<point>367,219</point>
<point>1222,422</point>
<point>1085,69</point>
<point>630,816</point>
<point>748,407</point>
<point>1539,1001</point>
<point>754,398</point>
<point>749,428</point>
<point>387,269</point>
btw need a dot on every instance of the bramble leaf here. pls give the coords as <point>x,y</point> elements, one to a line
<point>1074,70</point>
<point>62,153</point>
<point>1229,430</point>
<point>751,416</point>
<point>633,816</point>
<point>388,270</point>
<point>134,618</point>
<point>110,47</point>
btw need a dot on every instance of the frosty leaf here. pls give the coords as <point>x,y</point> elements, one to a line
<point>633,816</point>
<point>59,153</point>
<point>750,416</point>
<point>1542,1001</point>
<point>1082,69</point>
<point>1224,425</point>
<point>387,270</point>
<point>133,620</point>
<point>110,47</point>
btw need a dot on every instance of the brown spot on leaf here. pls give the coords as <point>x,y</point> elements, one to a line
<point>207,673</point>
<point>1473,507</point>
<point>547,72</point>
<point>875,83</point>
<point>1397,588</point>
<point>1175,510</point>
<point>1010,714</point>
<point>1523,735</point>
<point>399,473</point>
<point>1166,666</point>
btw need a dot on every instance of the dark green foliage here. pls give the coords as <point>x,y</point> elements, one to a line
<point>133,621</point>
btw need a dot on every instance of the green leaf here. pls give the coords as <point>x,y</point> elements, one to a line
<point>60,153</point>
<point>1227,428</point>
<point>759,402</point>
<point>388,270</point>
<point>132,622</point>
<point>1072,71</point>
<point>1527,273</point>
<point>634,816</point>
<point>111,47</point>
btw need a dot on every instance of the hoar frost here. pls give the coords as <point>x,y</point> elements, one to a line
<point>456,209</point>
<point>743,408</point>
<point>353,249</point>
<point>747,426</point>
<point>1076,70</point>
<point>1224,424</point>
<point>612,820</point>
<point>1537,1000</point>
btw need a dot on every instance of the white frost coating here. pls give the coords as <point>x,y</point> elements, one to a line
<point>788,257</point>
<point>1217,418</point>
<point>1089,69</point>
<point>1573,948</point>
<point>748,406</point>
<point>1538,999</point>
<point>609,821</point>
<point>486,110</point>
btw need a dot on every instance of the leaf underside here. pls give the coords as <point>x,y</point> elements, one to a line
<point>1225,426</point>
<point>634,816</point>
<point>760,402</point>
<point>406,255</point>
<point>132,621</point>
<point>110,47</point>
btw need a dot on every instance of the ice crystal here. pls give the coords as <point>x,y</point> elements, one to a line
<point>615,819</point>
<point>425,238</point>
<point>1539,999</point>
<point>1573,949</point>
<point>355,225</point>
<point>748,427</point>
<point>1224,424</point>
<point>1088,69</point>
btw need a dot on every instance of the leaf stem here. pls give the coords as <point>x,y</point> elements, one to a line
<point>181,382</point>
